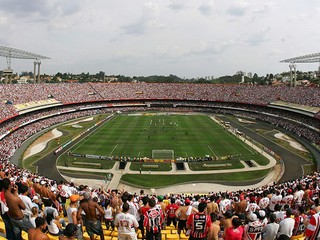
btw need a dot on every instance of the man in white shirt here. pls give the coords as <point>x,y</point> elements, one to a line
<point>264,202</point>
<point>275,199</point>
<point>225,204</point>
<point>298,195</point>
<point>127,224</point>
<point>26,200</point>
<point>133,207</point>
<point>286,225</point>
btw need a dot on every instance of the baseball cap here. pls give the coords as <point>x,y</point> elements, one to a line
<point>160,197</point>
<point>74,197</point>
<point>35,198</point>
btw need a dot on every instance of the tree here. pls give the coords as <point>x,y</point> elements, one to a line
<point>255,78</point>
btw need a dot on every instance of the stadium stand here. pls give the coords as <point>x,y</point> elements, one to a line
<point>26,111</point>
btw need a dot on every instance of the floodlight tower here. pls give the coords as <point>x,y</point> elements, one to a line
<point>310,58</point>
<point>20,54</point>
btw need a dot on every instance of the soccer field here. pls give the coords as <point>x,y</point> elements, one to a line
<point>187,135</point>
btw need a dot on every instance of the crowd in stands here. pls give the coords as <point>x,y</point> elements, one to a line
<point>235,212</point>
<point>14,140</point>
<point>89,92</point>
<point>30,202</point>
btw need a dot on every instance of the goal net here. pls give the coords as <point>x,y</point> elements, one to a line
<point>163,154</point>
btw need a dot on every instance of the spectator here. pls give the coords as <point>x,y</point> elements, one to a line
<point>109,214</point>
<point>127,224</point>
<point>215,227</point>
<point>269,232</point>
<point>199,223</point>
<point>170,213</point>
<point>153,220</point>
<point>18,220</point>
<point>235,232</point>
<point>183,213</point>
<point>72,214</point>
<point>70,232</point>
<point>91,220</point>
<point>286,226</point>
<point>38,233</point>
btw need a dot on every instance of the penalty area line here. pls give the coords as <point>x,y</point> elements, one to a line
<point>212,151</point>
<point>113,149</point>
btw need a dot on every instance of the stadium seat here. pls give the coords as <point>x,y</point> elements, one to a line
<point>107,232</point>
<point>298,237</point>
<point>24,235</point>
<point>109,238</point>
<point>174,231</point>
<point>2,227</point>
<point>52,237</point>
<point>172,236</point>
<point>114,233</point>
<point>170,227</point>
<point>87,237</point>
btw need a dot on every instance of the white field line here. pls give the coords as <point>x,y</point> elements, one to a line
<point>248,148</point>
<point>212,151</point>
<point>92,134</point>
<point>113,149</point>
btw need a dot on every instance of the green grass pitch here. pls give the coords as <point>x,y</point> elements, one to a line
<point>188,135</point>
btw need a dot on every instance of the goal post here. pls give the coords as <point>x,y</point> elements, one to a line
<point>164,154</point>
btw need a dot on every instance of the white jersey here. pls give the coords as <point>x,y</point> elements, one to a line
<point>298,197</point>
<point>275,199</point>
<point>252,231</point>
<point>134,210</point>
<point>280,215</point>
<point>225,205</point>
<point>264,203</point>
<point>126,223</point>
<point>252,207</point>
<point>287,199</point>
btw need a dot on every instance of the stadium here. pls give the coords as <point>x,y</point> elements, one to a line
<point>159,120</point>
<point>283,107</point>
<point>244,112</point>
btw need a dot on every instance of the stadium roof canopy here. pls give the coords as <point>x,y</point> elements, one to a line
<point>310,58</point>
<point>16,53</point>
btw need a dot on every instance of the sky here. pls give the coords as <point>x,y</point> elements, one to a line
<point>187,38</point>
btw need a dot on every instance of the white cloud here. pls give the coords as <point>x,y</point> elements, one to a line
<point>239,8</point>
<point>207,8</point>
<point>258,38</point>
